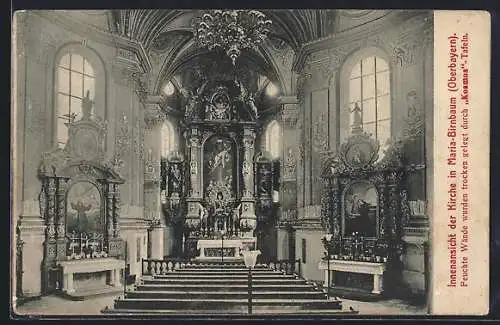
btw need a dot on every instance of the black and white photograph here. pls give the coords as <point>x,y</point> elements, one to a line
<point>222,162</point>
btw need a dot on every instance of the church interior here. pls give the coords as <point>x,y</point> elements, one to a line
<point>175,161</point>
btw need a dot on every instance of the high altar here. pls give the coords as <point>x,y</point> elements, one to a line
<point>213,188</point>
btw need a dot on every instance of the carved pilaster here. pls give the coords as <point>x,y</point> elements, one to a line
<point>116,211</point>
<point>302,80</point>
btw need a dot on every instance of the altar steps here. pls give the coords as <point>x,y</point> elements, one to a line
<point>287,311</point>
<point>256,277</point>
<point>224,295</point>
<point>223,282</point>
<point>212,288</point>
<point>217,287</point>
<point>226,304</point>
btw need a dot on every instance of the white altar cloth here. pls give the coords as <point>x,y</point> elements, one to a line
<point>236,244</point>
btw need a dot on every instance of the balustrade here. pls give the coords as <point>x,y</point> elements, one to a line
<point>169,265</point>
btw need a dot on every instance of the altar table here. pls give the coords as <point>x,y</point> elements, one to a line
<point>375,269</point>
<point>91,265</point>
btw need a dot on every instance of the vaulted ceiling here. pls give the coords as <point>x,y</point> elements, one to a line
<point>167,36</point>
<point>294,26</point>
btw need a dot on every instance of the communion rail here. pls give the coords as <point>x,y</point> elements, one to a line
<point>172,264</point>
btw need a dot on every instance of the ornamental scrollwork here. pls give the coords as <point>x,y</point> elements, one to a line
<point>290,163</point>
<point>320,133</point>
<point>154,116</point>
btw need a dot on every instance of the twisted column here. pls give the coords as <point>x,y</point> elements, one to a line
<point>116,210</point>
<point>51,209</point>
<point>109,210</point>
<point>61,206</point>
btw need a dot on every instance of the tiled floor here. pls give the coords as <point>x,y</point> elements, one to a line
<point>56,306</point>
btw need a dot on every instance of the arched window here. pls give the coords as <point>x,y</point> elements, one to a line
<point>369,92</point>
<point>75,77</point>
<point>273,139</point>
<point>167,139</point>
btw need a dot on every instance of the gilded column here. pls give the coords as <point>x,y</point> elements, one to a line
<point>194,199</point>
<point>248,220</point>
<point>195,153</point>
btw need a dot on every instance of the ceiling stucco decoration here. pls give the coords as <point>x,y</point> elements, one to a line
<point>355,13</point>
<point>168,38</point>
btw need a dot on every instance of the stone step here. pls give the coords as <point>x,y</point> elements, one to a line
<point>223,288</point>
<point>220,304</point>
<point>236,311</point>
<point>217,295</point>
<point>224,282</point>
<point>223,272</point>
<point>178,275</point>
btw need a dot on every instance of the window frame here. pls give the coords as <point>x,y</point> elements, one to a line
<point>168,126</point>
<point>344,75</point>
<point>100,86</point>
<point>362,77</point>
<point>274,127</point>
<point>59,90</point>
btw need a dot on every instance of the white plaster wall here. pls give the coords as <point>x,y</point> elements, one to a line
<point>314,252</point>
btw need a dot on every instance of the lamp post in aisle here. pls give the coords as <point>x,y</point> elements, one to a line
<point>328,239</point>
<point>250,258</point>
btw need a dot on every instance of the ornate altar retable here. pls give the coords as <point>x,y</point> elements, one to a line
<point>364,208</point>
<point>210,189</point>
<point>80,202</point>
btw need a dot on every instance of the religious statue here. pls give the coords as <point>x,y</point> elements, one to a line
<point>87,104</point>
<point>264,179</point>
<point>358,157</point>
<point>415,122</point>
<point>247,99</point>
<point>357,118</point>
<point>193,100</point>
<point>176,178</point>
<point>219,211</point>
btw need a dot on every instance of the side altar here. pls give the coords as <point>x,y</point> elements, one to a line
<point>209,190</point>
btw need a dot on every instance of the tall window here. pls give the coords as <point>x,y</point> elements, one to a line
<point>273,139</point>
<point>369,89</point>
<point>167,139</point>
<point>75,76</point>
